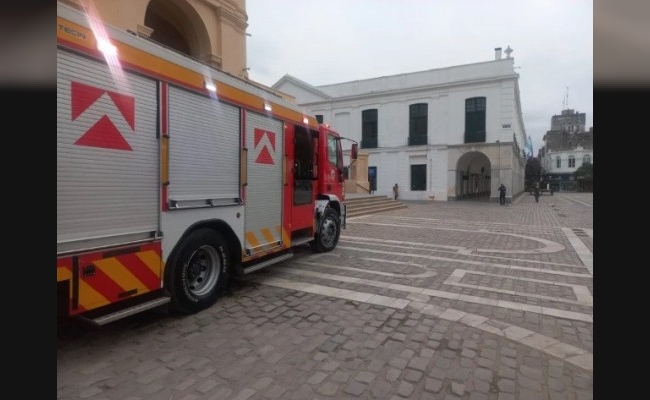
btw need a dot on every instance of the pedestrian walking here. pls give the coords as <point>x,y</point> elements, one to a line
<point>502,195</point>
<point>396,191</point>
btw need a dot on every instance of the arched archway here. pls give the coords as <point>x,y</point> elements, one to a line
<point>176,24</point>
<point>473,177</point>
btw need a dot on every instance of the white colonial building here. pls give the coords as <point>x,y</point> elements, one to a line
<point>442,134</point>
<point>567,146</point>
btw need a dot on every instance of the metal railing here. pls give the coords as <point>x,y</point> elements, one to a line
<point>418,140</point>
<point>369,143</point>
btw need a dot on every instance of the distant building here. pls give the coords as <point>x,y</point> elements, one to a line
<point>444,134</point>
<point>566,147</point>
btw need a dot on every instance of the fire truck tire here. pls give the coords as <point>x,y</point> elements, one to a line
<point>327,236</point>
<point>199,271</point>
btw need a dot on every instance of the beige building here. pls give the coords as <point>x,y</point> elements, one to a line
<point>212,31</point>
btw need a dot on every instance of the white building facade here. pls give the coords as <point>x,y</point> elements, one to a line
<point>443,134</point>
<point>567,146</point>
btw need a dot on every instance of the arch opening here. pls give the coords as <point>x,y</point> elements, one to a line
<point>177,25</point>
<point>473,176</point>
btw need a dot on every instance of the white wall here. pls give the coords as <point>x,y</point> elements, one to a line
<point>445,91</point>
<point>578,154</point>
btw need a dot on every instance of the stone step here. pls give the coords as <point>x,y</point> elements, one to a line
<point>362,205</point>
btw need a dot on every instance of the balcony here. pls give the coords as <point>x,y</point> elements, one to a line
<point>475,137</point>
<point>369,143</point>
<point>418,140</point>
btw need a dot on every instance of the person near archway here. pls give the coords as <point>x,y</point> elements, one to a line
<point>502,195</point>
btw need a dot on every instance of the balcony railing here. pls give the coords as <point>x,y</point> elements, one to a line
<point>475,137</point>
<point>418,140</point>
<point>369,143</point>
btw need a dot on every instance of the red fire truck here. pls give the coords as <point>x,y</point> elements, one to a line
<point>173,176</point>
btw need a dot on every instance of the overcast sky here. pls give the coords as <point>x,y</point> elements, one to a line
<point>330,41</point>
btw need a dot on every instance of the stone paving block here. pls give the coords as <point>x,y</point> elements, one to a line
<point>341,376</point>
<point>405,389</point>
<point>564,350</point>
<point>584,361</point>
<point>380,388</point>
<point>154,375</point>
<point>274,392</point>
<point>328,389</point>
<point>457,388</point>
<point>354,388</point>
<point>189,397</point>
<point>263,337</point>
<point>399,362</point>
<point>206,386</point>
<point>329,365</point>
<point>365,377</point>
<point>393,374</point>
<point>526,394</point>
<point>419,363</point>
<point>481,386</point>
<point>317,378</point>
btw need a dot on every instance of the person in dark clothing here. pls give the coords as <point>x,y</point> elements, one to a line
<point>502,195</point>
<point>396,191</point>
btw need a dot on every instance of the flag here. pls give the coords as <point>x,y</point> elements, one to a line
<point>529,147</point>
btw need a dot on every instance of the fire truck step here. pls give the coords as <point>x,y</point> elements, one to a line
<point>301,240</point>
<point>266,263</point>
<point>122,313</point>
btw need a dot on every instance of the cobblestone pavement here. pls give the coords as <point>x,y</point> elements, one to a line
<point>442,300</point>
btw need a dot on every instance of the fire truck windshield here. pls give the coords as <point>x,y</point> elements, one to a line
<point>332,149</point>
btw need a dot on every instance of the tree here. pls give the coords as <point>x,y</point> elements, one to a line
<point>585,177</point>
<point>533,172</point>
<point>586,171</point>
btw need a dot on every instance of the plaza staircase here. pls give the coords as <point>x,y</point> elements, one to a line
<point>368,204</point>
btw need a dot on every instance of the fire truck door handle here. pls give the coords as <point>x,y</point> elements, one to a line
<point>286,169</point>
<point>329,187</point>
<point>164,155</point>
<point>88,270</point>
<point>243,167</point>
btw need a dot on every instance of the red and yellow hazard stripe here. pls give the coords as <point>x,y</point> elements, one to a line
<point>264,242</point>
<point>102,278</point>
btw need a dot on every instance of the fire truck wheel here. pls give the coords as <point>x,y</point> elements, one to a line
<point>328,233</point>
<point>199,271</point>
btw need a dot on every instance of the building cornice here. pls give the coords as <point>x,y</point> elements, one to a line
<point>229,13</point>
<point>302,84</point>
<point>412,90</point>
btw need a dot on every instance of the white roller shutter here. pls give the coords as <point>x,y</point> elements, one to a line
<point>107,155</point>
<point>265,143</point>
<point>204,149</point>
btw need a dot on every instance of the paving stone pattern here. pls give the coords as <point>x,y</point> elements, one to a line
<point>440,300</point>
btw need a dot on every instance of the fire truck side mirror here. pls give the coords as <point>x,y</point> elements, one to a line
<point>354,151</point>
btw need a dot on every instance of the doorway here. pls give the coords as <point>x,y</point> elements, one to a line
<point>372,178</point>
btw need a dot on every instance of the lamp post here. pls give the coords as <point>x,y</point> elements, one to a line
<point>498,163</point>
